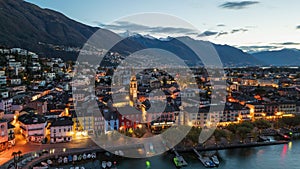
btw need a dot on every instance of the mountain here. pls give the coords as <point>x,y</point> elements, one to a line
<point>230,56</point>
<point>284,57</point>
<point>48,33</point>
<point>31,27</point>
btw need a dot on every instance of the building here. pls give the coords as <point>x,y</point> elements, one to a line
<point>11,135</point>
<point>15,81</point>
<point>289,92</point>
<point>210,115</point>
<point>257,110</point>
<point>6,104</point>
<point>133,91</point>
<point>288,107</point>
<point>3,81</point>
<point>111,118</point>
<point>40,105</point>
<point>4,93</point>
<point>3,134</point>
<point>61,130</point>
<point>33,127</point>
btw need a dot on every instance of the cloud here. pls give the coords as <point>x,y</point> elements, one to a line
<point>238,5</point>
<point>287,43</point>
<point>253,48</point>
<point>133,27</point>
<point>238,30</point>
<point>208,33</point>
<point>222,33</point>
<point>221,25</point>
<point>298,27</point>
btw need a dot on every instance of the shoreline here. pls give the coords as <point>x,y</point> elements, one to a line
<point>232,146</point>
<point>179,149</point>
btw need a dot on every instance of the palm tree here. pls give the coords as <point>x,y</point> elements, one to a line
<point>15,159</point>
<point>19,154</point>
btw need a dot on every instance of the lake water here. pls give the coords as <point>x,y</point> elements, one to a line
<point>286,156</point>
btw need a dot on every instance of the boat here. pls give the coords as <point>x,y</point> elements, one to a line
<point>94,155</point>
<point>215,160</point>
<point>49,162</point>
<point>44,164</point>
<point>109,164</point>
<point>103,164</point>
<point>178,162</point>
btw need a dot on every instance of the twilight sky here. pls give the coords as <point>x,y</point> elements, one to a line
<point>249,25</point>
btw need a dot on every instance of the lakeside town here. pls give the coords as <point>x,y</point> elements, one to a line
<point>39,110</point>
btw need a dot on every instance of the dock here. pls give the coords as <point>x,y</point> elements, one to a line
<point>204,160</point>
<point>179,160</point>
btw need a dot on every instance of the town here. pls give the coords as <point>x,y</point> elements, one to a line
<point>38,105</point>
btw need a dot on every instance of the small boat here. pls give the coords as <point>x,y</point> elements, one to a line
<point>121,153</point>
<point>75,157</point>
<point>215,160</point>
<point>44,164</point>
<point>109,164</point>
<point>65,159</point>
<point>79,157</point>
<point>84,156</point>
<point>49,162</point>
<point>94,155</point>
<point>177,162</point>
<point>60,160</point>
<point>209,164</point>
<point>103,164</point>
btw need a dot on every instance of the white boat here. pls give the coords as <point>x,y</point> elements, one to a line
<point>49,162</point>
<point>44,164</point>
<point>215,160</point>
<point>103,164</point>
<point>109,164</point>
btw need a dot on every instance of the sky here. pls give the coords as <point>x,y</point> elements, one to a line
<point>249,25</point>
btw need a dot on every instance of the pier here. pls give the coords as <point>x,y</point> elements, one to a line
<point>179,160</point>
<point>204,160</point>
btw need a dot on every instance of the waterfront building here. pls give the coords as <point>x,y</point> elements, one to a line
<point>33,127</point>
<point>61,130</point>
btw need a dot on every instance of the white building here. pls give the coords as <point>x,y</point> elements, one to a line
<point>15,81</point>
<point>6,104</point>
<point>61,130</point>
<point>3,80</point>
<point>33,127</point>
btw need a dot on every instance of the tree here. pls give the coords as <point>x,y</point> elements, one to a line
<point>232,127</point>
<point>242,132</point>
<point>262,124</point>
<point>194,134</point>
<point>219,134</point>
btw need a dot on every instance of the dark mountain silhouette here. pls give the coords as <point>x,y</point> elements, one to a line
<point>284,57</point>
<point>47,32</point>
<point>31,27</point>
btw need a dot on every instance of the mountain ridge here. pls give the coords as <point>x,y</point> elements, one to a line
<point>46,32</point>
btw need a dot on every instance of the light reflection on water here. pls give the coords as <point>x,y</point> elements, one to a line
<point>284,156</point>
